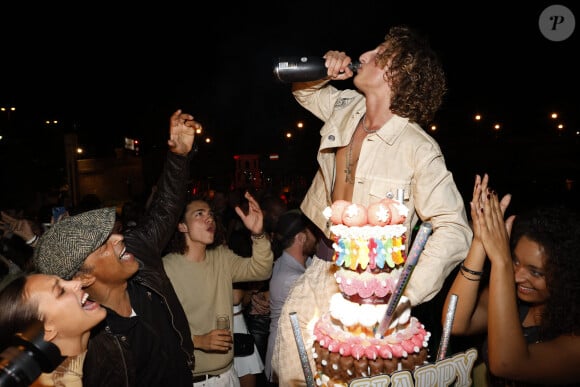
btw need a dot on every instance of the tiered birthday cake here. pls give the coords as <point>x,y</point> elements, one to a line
<point>369,248</point>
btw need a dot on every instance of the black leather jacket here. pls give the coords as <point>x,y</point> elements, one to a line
<point>107,361</point>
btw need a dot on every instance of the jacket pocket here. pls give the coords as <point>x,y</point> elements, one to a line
<point>389,188</point>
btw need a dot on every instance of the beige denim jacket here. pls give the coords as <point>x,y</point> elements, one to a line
<point>400,155</point>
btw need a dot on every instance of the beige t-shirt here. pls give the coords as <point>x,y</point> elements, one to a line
<point>68,374</point>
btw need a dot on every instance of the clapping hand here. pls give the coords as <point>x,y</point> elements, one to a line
<point>489,227</point>
<point>481,194</point>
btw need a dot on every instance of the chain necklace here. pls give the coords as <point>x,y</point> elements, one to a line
<point>349,172</point>
<point>367,130</point>
<point>349,178</point>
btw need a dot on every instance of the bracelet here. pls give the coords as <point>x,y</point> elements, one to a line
<point>32,240</point>
<point>472,272</point>
<point>467,278</point>
<point>258,236</point>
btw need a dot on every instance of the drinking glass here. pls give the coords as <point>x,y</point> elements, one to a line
<point>222,321</point>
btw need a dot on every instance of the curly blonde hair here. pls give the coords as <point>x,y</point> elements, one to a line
<point>415,75</point>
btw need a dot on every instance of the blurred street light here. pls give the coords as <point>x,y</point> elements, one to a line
<point>7,110</point>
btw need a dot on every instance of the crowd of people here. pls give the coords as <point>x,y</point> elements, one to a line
<point>130,296</point>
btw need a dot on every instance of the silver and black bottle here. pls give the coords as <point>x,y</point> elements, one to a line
<point>303,68</point>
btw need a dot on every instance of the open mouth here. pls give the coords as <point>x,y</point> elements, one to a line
<point>124,255</point>
<point>525,290</point>
<point>87,304</point>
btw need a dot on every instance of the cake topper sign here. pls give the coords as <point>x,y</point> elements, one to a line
<point>455,370</point>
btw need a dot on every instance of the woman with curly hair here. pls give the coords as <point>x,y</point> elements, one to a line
<point>530,309</point>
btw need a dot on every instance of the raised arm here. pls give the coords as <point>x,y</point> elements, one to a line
<point>471,312</point>
<point>154,232</point>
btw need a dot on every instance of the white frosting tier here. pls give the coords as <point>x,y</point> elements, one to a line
<point>368,315</point>
<point>367,232</point>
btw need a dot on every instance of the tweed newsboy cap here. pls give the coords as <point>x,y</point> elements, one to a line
<point>63,248</point>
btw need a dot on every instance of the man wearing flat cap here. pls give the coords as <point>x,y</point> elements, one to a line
<point>145,339</point>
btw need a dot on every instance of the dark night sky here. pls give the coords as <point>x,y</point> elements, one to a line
<point>107,72</point>
<point>111,69</point>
